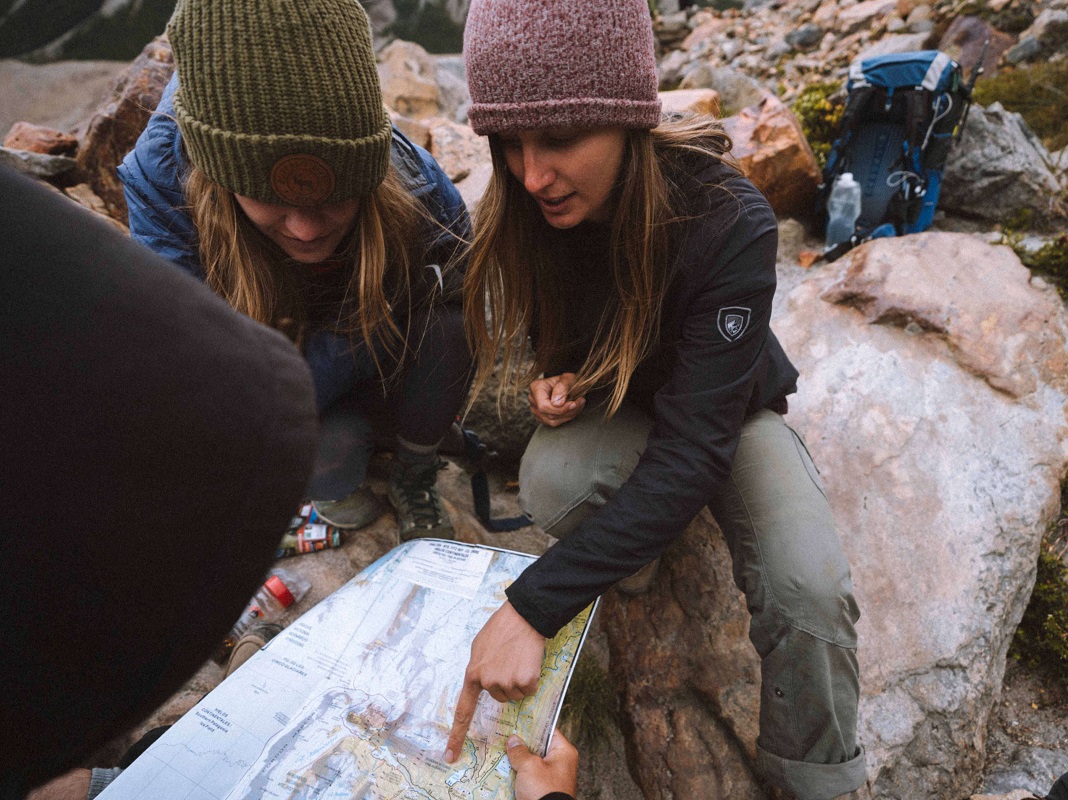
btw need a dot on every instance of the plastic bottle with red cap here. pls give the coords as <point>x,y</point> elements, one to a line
<point>282,589</point>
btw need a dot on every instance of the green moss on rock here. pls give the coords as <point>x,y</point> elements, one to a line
<point>1037,93</point>
<point>1041,640</point>
<point>1014,18</point>
<point>820,115</point>
<point>591,707</point>
<point>1050,260</point>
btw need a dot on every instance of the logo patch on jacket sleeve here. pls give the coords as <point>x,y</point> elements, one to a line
<point>733,321</point>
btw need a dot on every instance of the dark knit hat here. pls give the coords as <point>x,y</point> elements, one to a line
<point>279,100</point>
<point>560,64</point>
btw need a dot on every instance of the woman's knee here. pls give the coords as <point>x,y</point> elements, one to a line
<point>814,593</point>
<point>569,472</point>
<point>558,487</point>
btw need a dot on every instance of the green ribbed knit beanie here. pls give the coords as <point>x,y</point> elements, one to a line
<point>279,100</point>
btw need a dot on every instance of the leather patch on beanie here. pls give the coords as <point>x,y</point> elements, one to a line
<point>302,179</point>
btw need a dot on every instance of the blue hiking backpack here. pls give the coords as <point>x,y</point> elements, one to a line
<point>903,112</point>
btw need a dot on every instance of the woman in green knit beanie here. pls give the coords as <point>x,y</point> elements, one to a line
<point>272,172</point>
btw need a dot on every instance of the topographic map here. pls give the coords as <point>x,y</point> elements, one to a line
<point>355,699</point>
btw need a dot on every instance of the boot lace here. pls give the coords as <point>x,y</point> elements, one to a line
<point>415,484</point>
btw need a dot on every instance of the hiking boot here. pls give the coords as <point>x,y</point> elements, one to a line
<point>640,581</point>
<point>251,643</point>
<point>358,510</point>
<point>414,496</point>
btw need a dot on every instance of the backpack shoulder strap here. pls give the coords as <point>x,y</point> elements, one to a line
<point>857,105</point>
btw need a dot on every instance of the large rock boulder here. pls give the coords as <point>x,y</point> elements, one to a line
<point>409,81</point>
<point>1000,168</point>
<point>457,148</point>
<point>111,133</point>
<point>933,395</point>
<point>40,139</point>
<point>419,85</point>
<point>774,154</point>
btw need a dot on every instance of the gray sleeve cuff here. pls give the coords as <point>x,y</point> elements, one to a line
<point>101,779</point>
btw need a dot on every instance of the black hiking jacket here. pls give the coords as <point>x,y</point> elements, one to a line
<point>716,362</point>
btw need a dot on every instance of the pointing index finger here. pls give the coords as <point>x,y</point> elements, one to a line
<point>465,712</point>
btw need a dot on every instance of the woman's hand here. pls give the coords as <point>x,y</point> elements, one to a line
<point>506,658</point>
<point>550,402</point>
<point>537,777</point>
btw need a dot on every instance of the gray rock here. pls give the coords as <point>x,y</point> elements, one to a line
<point>37,164</point>
<point>700,75</point>
<point>777,50</point>
<point>1050,28</point>
<point>731,49</point>
<point>736,89</point>
<point>847,19</point>
<point>1026,49</point>
<point>506,433</point>
<point>897,43</point>
<point>920,12</point>
<point>671,67</point>
<point>452,80</point>
<point>805,37</point>
<point>1033,768</point>
<point>999,167</point>
<point>674,24</point>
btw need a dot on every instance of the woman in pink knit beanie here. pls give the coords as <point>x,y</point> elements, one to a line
<point>640,265</point>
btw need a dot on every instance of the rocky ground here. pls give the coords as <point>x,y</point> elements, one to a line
<point>1028,730</point>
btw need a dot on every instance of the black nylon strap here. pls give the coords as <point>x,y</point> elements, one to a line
<point>475,453</point>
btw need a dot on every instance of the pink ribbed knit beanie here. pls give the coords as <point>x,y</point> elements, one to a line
<point>560,64</point>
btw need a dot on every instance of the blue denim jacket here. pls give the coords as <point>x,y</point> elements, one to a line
<point>151,175</point>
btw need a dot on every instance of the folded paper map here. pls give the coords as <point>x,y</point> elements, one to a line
<point>355,699</point>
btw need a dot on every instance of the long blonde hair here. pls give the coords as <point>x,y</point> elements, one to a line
<point>255,277</point>
<point>510,276</point>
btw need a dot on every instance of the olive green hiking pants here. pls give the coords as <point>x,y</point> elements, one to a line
<point>787,559</point>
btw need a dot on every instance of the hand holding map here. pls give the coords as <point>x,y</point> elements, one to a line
<point>506,659</point>
<point>537,777</point>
